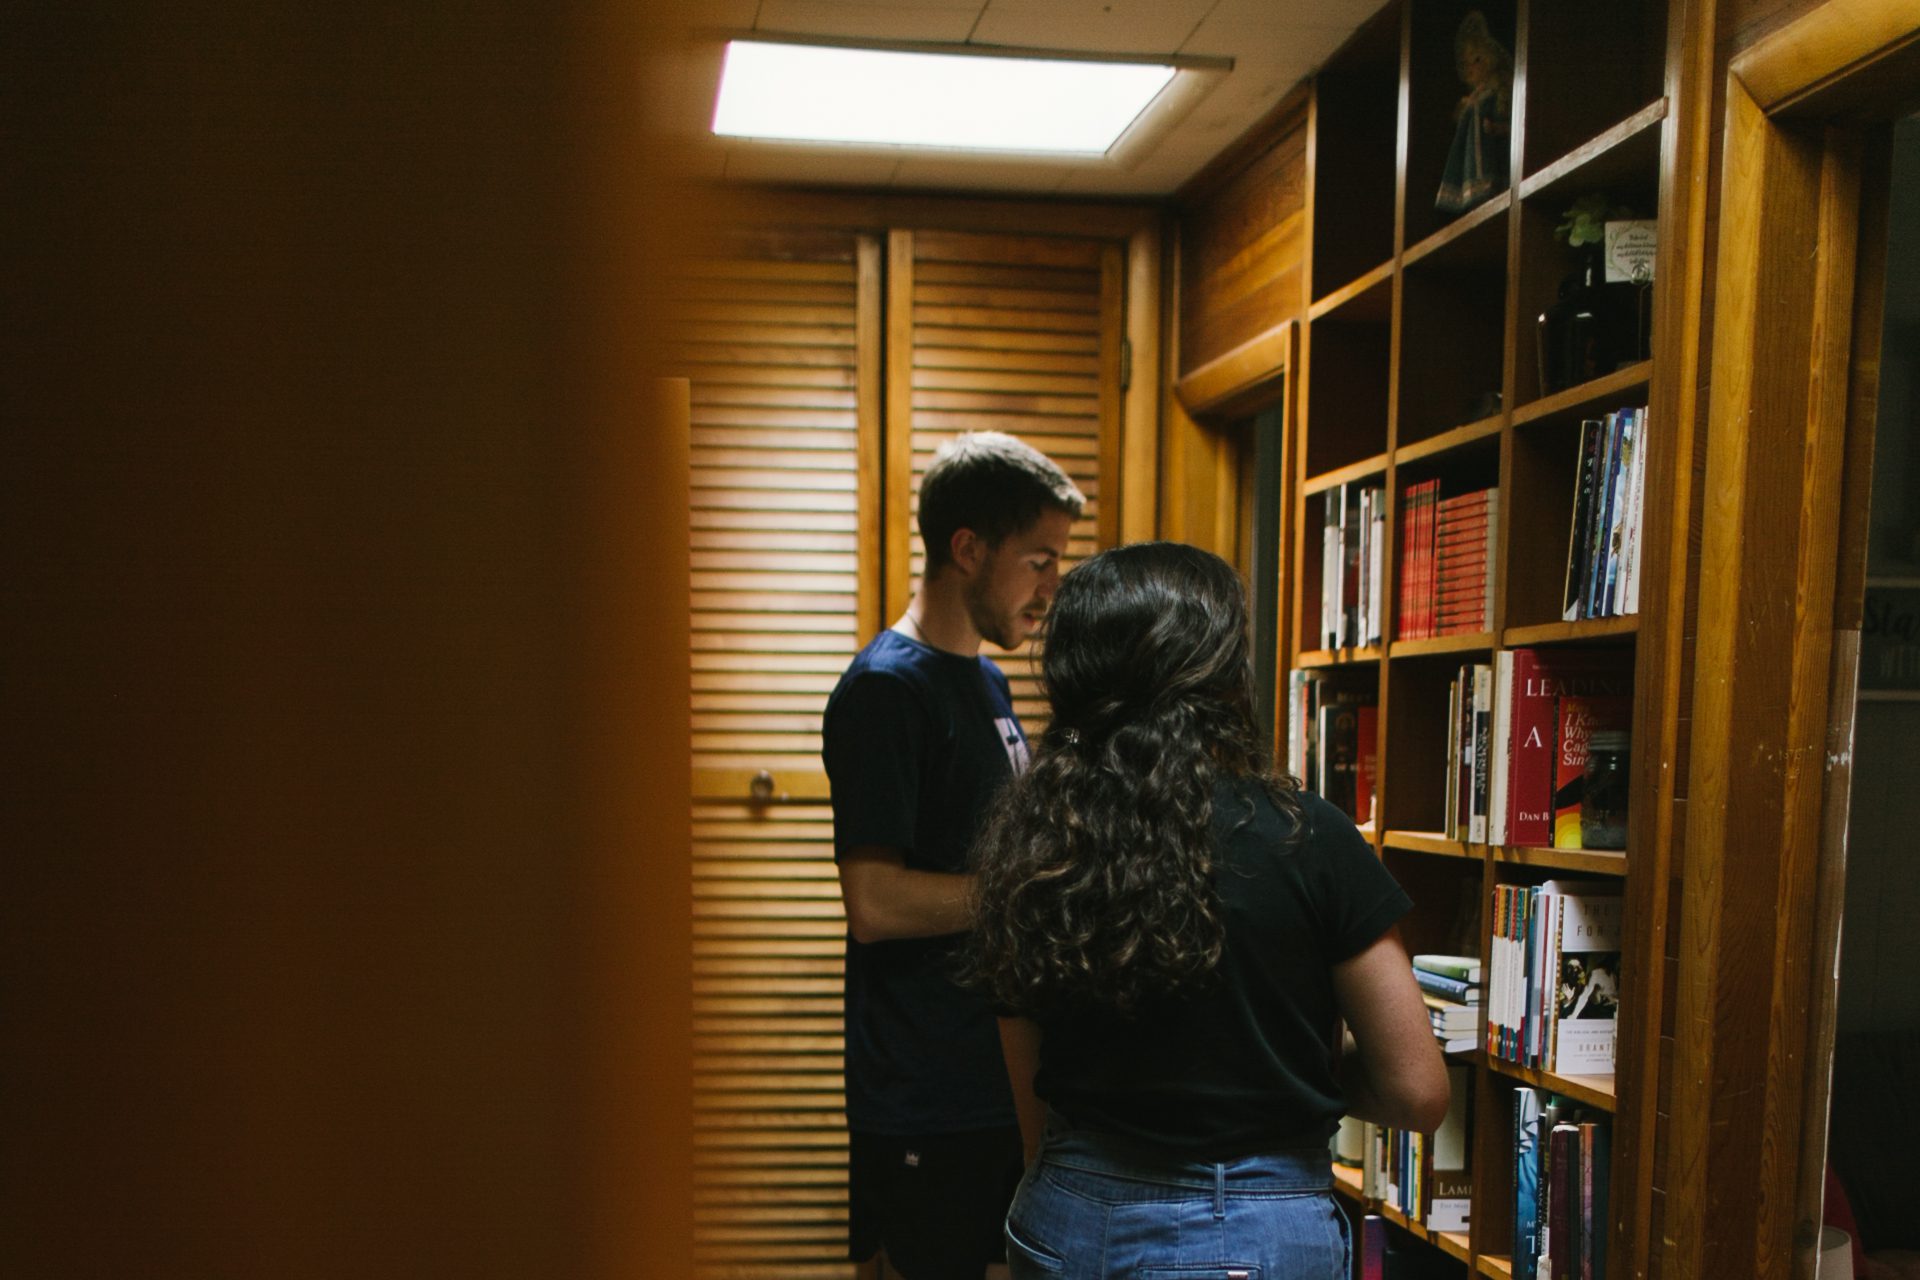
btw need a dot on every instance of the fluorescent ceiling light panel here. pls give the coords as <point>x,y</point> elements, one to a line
<point>816,93</point>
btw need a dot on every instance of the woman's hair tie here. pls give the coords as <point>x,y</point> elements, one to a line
<point>1071,737</point>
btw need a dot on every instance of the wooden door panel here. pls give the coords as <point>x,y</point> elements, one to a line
<point>779,346</point>
<point>1010,333</point>
<point>785,346</point>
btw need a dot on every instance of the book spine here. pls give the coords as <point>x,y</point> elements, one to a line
<point>1377,569</point>
<point>1602,515</point>
<point>1632,604</point>
<point>1330,570</point>
<point>1350,526</point>
<point>1531,784</point>
<point>1482,744</point>
<point>1493,534</point>
<point>1583,482</point>
<point>1498,809</point>
<point>1449,824</point>
<point>1560,1172</point>
<point>1526,1182</point>
<point>1446,988</point>
<point>1366,762</point>
<point>1584,1250</point>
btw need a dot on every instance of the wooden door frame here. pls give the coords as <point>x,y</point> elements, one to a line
<point>1789,430</point>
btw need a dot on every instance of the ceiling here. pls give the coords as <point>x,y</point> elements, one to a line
<point>1274,44</point>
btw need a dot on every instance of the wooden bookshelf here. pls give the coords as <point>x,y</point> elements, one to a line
<point>1443,314</point>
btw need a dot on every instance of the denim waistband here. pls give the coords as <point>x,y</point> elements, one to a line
<point>1296,1169</point>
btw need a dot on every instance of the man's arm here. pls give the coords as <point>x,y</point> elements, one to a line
<point>886,899</point>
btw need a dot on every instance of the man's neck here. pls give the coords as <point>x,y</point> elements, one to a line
<point>937,616</point>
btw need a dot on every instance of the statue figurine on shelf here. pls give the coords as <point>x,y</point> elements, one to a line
<point>1482,120</point>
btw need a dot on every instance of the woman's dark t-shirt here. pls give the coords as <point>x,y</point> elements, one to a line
<point>1245,1064</point>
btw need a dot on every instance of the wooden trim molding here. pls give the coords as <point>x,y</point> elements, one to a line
<point>898,502</point>
<point>870,340</point>
<point>1240,378</point>
<point>788,206</point>
<point>1758,835</point>
<point>1140,419</point>
<point>1822,45</point>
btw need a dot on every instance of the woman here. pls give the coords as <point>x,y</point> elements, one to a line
<point>1180,929</point>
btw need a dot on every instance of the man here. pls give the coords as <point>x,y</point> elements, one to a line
<point>919,735</point>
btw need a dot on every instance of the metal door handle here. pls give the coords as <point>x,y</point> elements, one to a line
<point>761,788</point>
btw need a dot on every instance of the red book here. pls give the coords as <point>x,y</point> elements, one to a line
<point>1587,1224</point>
<point>1367,763</point>
<point>1562,1172</point>
<point>1415,550</point>
<point>1466,501</point>
<point>1466,583</point>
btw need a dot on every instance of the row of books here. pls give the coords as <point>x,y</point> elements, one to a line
<point>1446,566</point>
<point>1352,565</point>
<point>1561,1162</point>
<point>1604,543</point>
<point>1517,737</point>
<point>1426,1177</point>
<point>1554,989</point>
<point>1450,985</point>
<point>1333,734</point>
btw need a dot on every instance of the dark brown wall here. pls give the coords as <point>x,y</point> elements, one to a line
<point>1241,242</point>
<point>344,906</point>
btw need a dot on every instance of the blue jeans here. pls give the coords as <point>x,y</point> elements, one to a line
<point>1090,1209</point>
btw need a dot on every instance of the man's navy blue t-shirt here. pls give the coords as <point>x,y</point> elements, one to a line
<point>917,741</point>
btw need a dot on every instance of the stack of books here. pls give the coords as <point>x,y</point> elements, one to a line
<point>1603,545</point>
<point>1560,1171</point>
<point>1352,565</point>
<point>1445,576</point>
<point>1451,987</point>
<point>1554,989</point>
<point>1333,734</point>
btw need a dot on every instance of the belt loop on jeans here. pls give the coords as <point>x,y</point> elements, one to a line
<point>1219,1191</point>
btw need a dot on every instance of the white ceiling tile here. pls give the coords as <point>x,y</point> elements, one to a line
<point>1233,27</point>
<point>945,24</point>
<point>761,162</point>
<point>1273,52</point>
<point>1099,26</point>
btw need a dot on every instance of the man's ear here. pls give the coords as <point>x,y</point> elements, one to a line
<point>968,551</point>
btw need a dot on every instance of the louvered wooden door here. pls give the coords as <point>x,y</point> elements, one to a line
<point>1022,334</point>
<point>805,467</point>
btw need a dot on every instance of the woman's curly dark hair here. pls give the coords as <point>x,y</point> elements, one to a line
<point>1095,872</point>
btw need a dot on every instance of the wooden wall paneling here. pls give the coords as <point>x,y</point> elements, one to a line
<point>1775,446</point>
<point>783,351</point>
<point>1243,247</point>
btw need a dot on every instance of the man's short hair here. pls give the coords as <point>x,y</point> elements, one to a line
<point>993,484</point>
